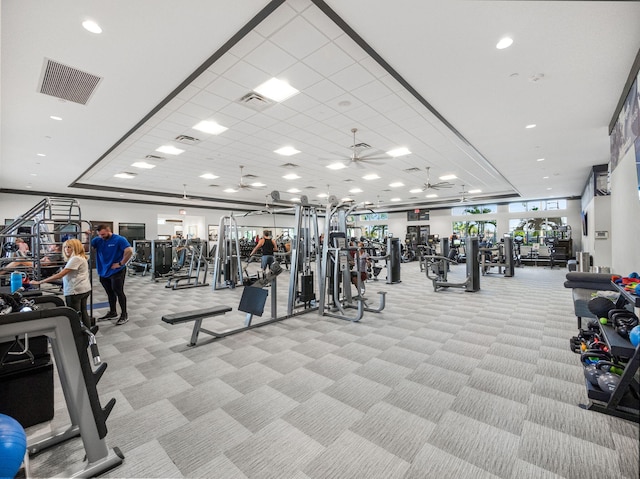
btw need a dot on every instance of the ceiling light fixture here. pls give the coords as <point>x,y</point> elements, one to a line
<point>295,200</point>
<point>372,176</point>
<point>540,159</point>
<point>395,199</point>
<point>210,127</point>
<point>448,177</point>
<point>287,151</point>
<point>257,184</point>
<point>143,165</point>
<point>276,90</point>
<point>432,195</point>
<point>125,175</point>
<point>293,190</point>
<point>209,176</point>
<point>322,195</point>
<point>545,177</point>
<point>396,184</point>
<point>291,176</point>
<point>355,190</point>
<point>91,26</point>
<point>532,125</point>
<point>41,154</point>
<point>416,190</point>
<point>504,42</point>
<point>475,191</point>
<point>229,190</point>
<point>346,199</point>
<point>402,151</point>
<point>57,118</point>
<point>336,166</point>
<point>169,150</point>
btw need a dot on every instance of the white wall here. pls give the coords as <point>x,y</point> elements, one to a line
<point>625,216</point>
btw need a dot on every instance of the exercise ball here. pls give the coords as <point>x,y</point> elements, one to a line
<point>13,445</point>
<point>634,336</point>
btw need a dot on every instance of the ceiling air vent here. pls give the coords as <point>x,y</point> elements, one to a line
<point>412,170</point>
<point>255,101</point>
<point>154,158</point>
<point>289,165</point>
<point>67,83</point>
<point>364,146</point>
<point>187,140</point>
<point>249,176</point>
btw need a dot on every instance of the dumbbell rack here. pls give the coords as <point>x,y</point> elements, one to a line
<point>619,403</point>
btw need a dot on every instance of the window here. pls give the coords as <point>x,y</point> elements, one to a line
<point>548,205</point>
<point>534,230</point>
<point>474,210</point>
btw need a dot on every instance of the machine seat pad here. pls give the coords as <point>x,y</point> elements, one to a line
<point>192,315</point>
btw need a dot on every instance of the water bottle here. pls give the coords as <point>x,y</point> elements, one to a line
<point>16,281</point>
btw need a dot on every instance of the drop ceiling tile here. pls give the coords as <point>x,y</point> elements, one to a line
<point>316,17</point>
<point>372,91</point>
<point>300,76</point>
<point>246,75</point>
<point>276,20</point>
<point>195,111</point>
<point>279,111</point>
<point>188,92</point>
<point>222,64</point>
<point>373,67</point>
<point>237,111</point>
<point>324,91</point>
<point>391,82</point>
<point>350,47</point>
<point>352,77</point>
<point>301,120</point>
<point>210,101</point>
<point>302,102</point>
<point>247,44</point>
<point>270,58</point>
<point>228,89</point>
<point>299,38</point>
<point>328,60</point>
<point>204,79</point>
<point>362,113</point>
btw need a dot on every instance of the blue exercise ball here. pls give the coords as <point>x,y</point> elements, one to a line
<point>634,336</point>
<point>13,446</point>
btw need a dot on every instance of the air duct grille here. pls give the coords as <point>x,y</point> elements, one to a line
<point>255,101</point>
<point>67,83</point>
<point>189,140</point>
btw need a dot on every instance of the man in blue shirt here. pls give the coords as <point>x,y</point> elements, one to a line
<point>112,253</point>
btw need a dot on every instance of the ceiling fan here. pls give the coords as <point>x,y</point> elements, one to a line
<point>357,148</point>
<point>464,198</point>
<point>246,186</point>
<point>435,186</point>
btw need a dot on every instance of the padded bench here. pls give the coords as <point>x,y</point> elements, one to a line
<point>583,285</point>
<point>197,315</point>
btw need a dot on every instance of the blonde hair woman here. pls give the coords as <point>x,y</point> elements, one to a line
<point>75,279</point>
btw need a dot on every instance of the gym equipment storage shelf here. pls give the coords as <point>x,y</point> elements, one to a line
<point>620,402</point>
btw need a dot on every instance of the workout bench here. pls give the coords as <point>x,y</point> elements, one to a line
<point>197,315</point>
<point>252,302</point>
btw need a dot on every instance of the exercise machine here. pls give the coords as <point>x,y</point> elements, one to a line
<point>499,256</point>
<point>437,269</point>
<point>227,263</point>
<point>194,251</point>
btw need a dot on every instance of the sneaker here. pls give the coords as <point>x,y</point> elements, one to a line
<point>109,315</point>
<point>123,319</point>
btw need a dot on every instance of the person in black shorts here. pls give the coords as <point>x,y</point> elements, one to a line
<point>267,246</point>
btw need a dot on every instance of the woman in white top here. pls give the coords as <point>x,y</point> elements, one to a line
<point>75,279</point>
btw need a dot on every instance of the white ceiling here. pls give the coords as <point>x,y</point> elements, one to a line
<point>426,75</point>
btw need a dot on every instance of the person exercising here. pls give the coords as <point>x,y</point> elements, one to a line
<point>112,253</point>
<point>267,246</point>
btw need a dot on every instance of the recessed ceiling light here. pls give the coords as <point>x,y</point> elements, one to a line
<point>402,151</point>
<point>291,176</point>
<point>28,186</point>
<point>396,184</point>
<point>448,177</point>
<point>209,176</point>
<point>276,90</point>
<point>504,42</point>
<point>355,190</point>
<point>336,166</point>
<point>296,200</point>
<point>57,118</point>
<point>431,195</point>
<point>34,174</point>
<point>540,159</point>
<point>230,190</point>
<point>293,190</point>
<point>532,125</point>
<point>257,184</point>
<point>548,188</point>
<point>322,195</point>
<point>125,175</point>
<point>346,199</point>
<point>395,199</point>
<point>287,151</point>
<point>143,164</point>
<point>41,154</point>
<point>169,150</point>
<point>475,191</point>
<point>415,190</point>
<point>372,176</point>
<point>91,26</point>
<point>210,127</point>
<point>545,177</point>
